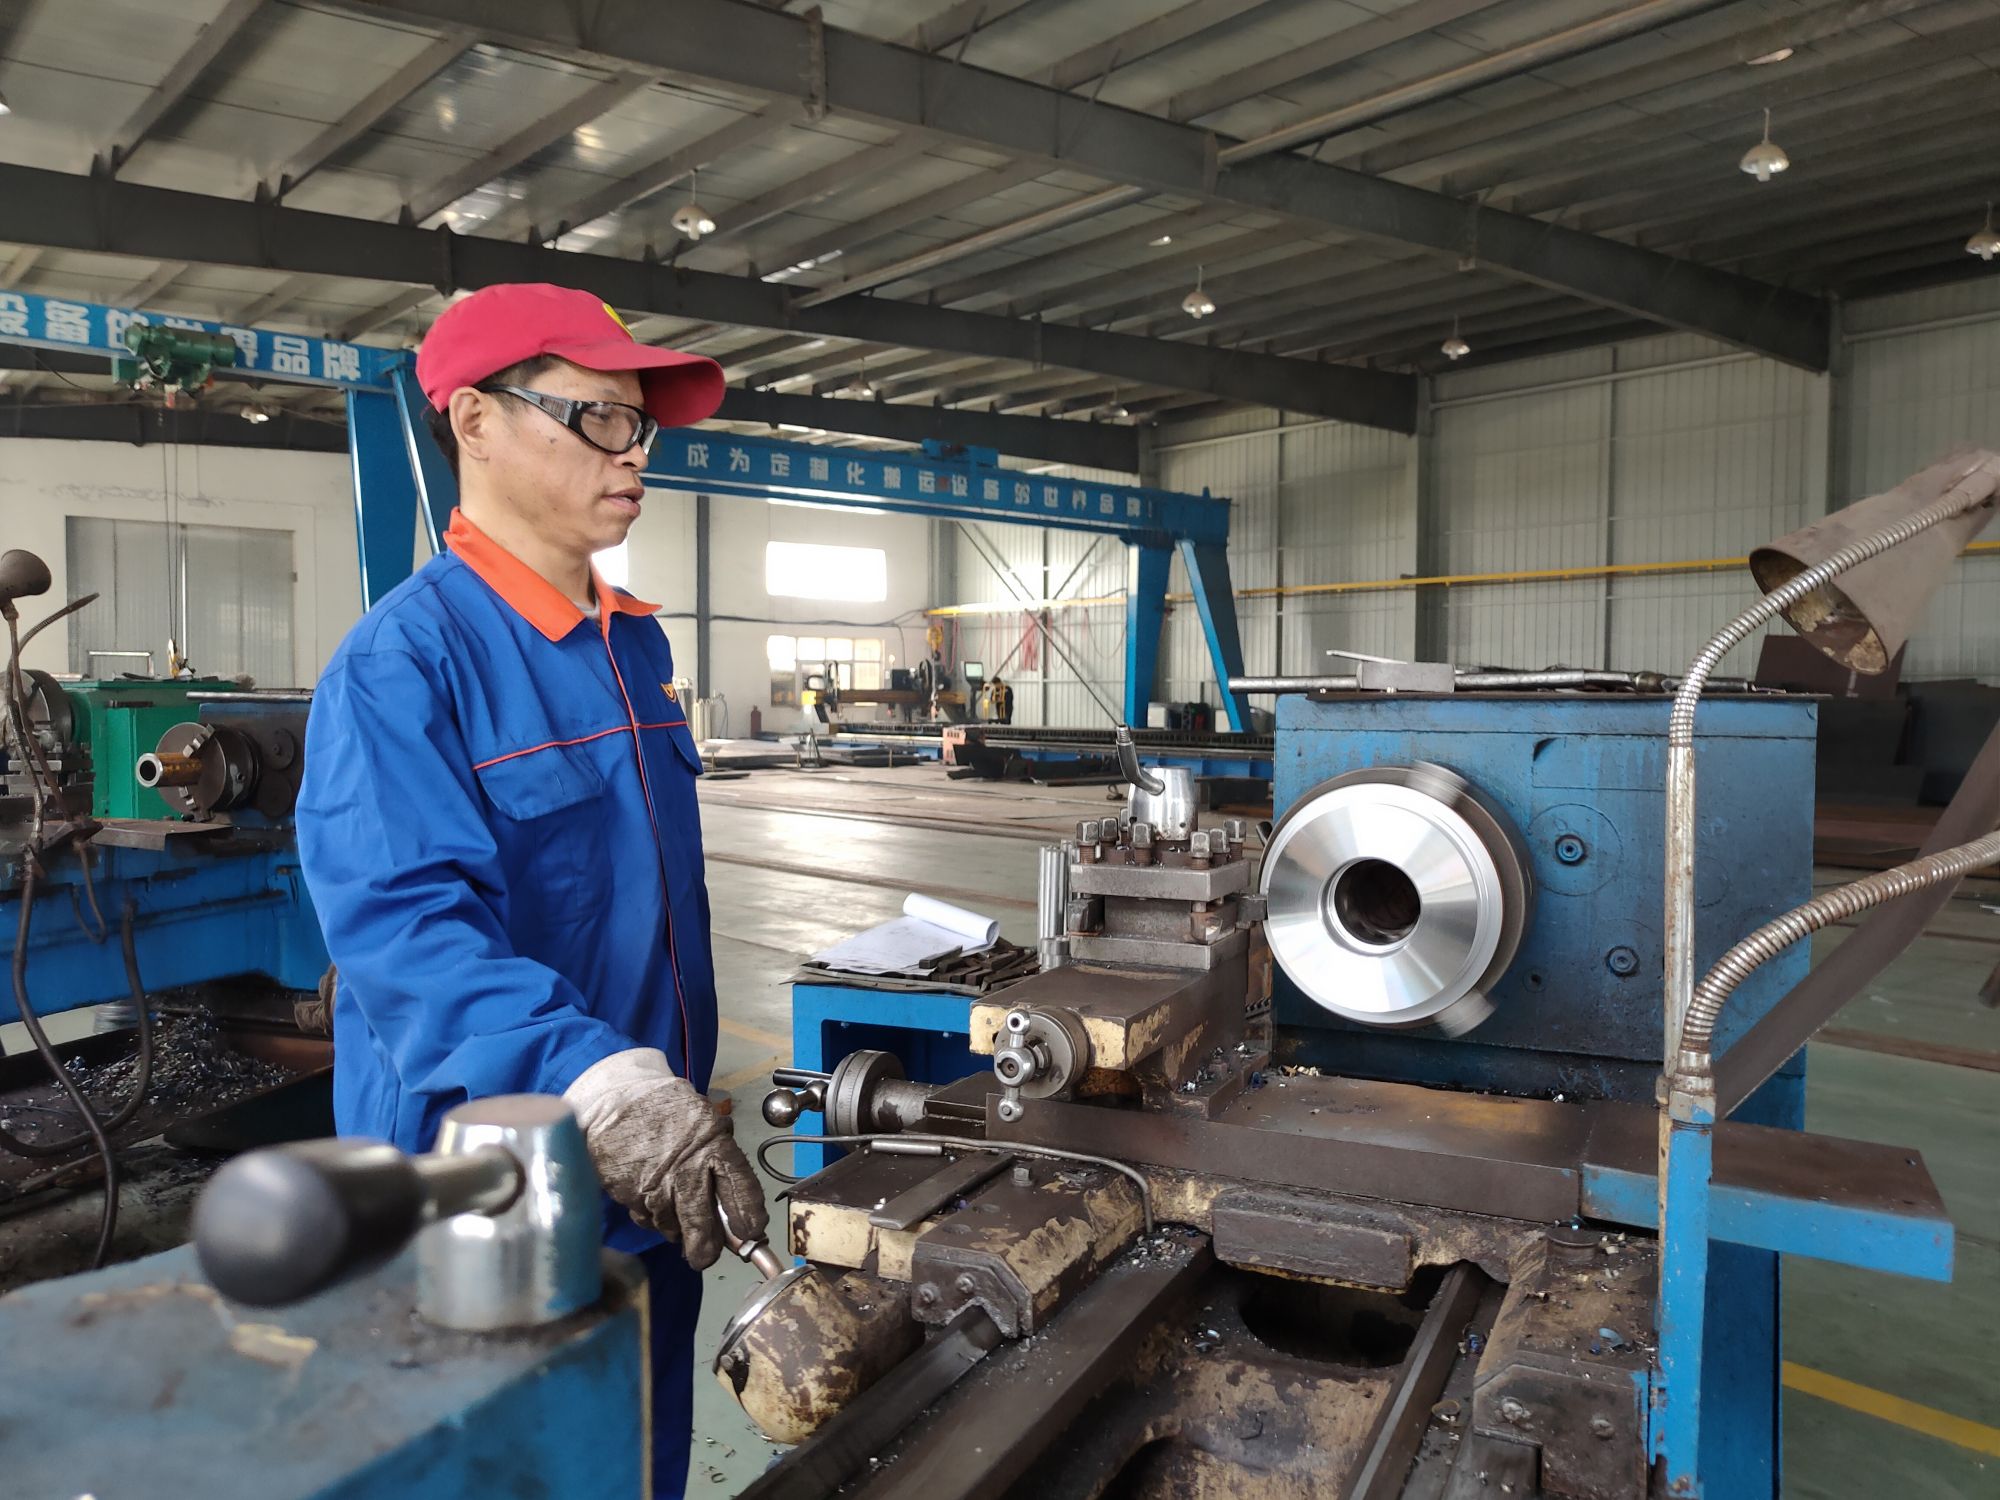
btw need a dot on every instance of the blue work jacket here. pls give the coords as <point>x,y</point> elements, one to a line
<point>499,830</point>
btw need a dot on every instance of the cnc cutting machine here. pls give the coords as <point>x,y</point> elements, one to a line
<point>1439,1207</point>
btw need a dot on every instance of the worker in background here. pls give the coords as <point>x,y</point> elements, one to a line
<point>1000,699</point>
<point>498,823</point>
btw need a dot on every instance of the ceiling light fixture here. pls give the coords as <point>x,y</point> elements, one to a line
<point>1985,242</point>
<point>1455,347</point>
<point>256,414</point>
<point>5,107</point>
<point>1161,239</point>
<point>1767,158</point>
<point>1782,54</point>
<point>1197,304</point>
<point>691,220</point>
<point>859,387</point>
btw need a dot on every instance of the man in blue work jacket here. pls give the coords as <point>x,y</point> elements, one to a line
<point>498,822</point>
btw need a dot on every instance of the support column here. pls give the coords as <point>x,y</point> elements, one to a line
<point>703,609</point>
<point>1146,570</point>
<point>385,493</point>
<point>1208,575</point>
<point>436,490</point>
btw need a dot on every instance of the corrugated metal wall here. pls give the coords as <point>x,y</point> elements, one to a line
<point>1907,398</point>
<point>1660,450</point>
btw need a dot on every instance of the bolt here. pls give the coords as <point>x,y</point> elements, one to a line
<point>1235,829</point>
<point>1600,1426</point>
<point>1023,1177</point>
<point>1622,961</point>
<point>927,1295</point>
<point>965,1285</point>
<point>1570,849</point>
<point>1017,1021</point>
<point>1009,1110</point>
<point>1513,1411</point>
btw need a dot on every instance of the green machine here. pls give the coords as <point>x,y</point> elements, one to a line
<point>112,722</point>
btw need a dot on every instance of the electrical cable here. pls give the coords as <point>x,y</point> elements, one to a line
<point>959,1143</point>
<point>97,1130</point>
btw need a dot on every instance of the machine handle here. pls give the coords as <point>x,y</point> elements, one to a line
<point>757,1252</point>
<point>279,1225</point>
<point>22,576</point>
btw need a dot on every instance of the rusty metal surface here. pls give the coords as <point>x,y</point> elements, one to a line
<point>1312,1236</point>
<point>1044,1384</point>
<point>867,1426</point>
<point>1023,1246</point>
<point>822,1342</point>
<point>1479,1153</point>
<point>1566,1365</point>
<point>915,1204</point>
<point>1811,1003</point>
<point>1391,1445</point>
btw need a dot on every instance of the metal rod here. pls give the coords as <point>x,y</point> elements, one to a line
<point>1391,1445</point>
<point>484,1181</point>
<point>1495,681</point>
<point>1775,936</point>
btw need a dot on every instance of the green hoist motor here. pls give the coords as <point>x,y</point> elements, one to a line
<point>173,359</point>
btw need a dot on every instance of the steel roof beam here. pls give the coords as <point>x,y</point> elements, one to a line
<point>187,69</point>
<point>369,112</point>
<point>1141,42</point>
<point>67,211</point>
<point>745,46</point>
<point>1091,445</point>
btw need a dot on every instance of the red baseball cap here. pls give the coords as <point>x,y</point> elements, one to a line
<point>502,325</point>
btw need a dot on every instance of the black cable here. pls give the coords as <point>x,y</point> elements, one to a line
<point>103,928</point>
<point>107,1225</point>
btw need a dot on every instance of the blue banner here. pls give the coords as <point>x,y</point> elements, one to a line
<point>718,463</point>
<point>89,327</point>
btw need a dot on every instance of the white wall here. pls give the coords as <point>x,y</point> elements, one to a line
<point>661,558</point>
<point>45,481</point>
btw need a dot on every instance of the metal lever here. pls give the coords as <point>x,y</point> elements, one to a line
<point>757,1252</point>
<point>1128,763</point>
<point>22,576</point>
<point>279,1225</point>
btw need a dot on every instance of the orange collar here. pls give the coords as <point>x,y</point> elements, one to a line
<point>532,596</point>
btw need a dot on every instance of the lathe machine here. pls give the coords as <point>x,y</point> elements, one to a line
<point>1439,1209</point>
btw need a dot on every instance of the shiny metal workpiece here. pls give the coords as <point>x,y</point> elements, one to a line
<point>536,1260</point>
<point>1397,897</point>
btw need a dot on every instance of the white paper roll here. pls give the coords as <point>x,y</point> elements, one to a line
<point>978,932</point>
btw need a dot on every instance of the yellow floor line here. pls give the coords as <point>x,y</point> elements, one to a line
<point>754,1034</point>
<point>1960,1431</point>
<point>732,1081</point>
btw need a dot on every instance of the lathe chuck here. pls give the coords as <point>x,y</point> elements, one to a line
<point>1397,897</point>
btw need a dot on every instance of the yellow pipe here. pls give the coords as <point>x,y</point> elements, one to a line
<point>1382,585</point>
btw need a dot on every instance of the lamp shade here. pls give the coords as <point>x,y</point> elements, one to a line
<point>1862,617</point>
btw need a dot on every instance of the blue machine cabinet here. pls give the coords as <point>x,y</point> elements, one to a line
<point>147,1383</point>
<point>1578,1013</point>
<point>928,1032</point>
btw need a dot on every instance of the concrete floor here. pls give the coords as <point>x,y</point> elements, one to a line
<point>797,860</point>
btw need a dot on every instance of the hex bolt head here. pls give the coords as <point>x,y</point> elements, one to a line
<point>965,1285</point>
<point>1023,1175</point>
<point>1513,1411</point>
<point>927,1295</point>
<point>1089,831</point>
<point>1600,1426</point>
<point>1570,849</point>
<point>1622,961</point>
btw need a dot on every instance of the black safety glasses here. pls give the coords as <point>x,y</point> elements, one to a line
<point>609,426</point>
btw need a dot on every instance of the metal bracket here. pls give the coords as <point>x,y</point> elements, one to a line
<point>815,68</point>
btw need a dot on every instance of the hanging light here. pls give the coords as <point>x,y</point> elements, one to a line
<point>691,220</point>
<point>1767,158</point>
<point>1766,59</point>
<point>1161,239</point>
<point>1116,410</point>
<point>1985,242</point>
<point>5,107</point>
<point>859,387</point>
<point>1197,304</point>
<point>254,413</point>
<point>1455,347</point>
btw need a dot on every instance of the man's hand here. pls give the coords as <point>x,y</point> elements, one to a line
<point>662,1151</point>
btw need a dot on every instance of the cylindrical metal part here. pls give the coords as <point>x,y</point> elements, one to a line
<point>808,1342</point>
<point>1170,810</point>
<point>1397,897</point>
<point>168,769</point>
<point>537,1260</point>
<point>1051,895</point>
<point>485,1180</point>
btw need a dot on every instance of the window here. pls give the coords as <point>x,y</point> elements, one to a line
<point>223,594</point>
<point>811,570</point>
<point>851,662</point>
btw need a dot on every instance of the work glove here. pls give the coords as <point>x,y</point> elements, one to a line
<point>662,1150</point>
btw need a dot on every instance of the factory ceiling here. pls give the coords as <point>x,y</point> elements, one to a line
<point>1012,207</point>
